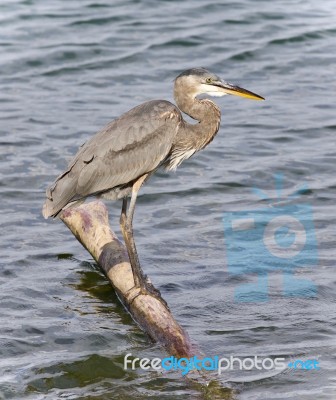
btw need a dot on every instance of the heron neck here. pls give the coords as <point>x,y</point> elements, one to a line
<point>206,113</point>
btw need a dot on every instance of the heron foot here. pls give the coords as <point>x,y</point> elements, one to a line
<point>155,292</point>
<point>147,289</point>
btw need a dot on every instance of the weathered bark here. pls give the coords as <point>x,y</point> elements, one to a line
<point>89,223</point>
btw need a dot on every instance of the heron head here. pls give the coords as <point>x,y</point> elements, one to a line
<point>197,81</point>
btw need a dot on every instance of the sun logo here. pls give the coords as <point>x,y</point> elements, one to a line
<point>278,238</point>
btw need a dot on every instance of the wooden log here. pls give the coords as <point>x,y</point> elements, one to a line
<point>89,223</point>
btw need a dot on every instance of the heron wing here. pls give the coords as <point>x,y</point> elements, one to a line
<point>127,148</point>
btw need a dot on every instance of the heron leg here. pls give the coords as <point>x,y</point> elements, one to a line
<point>127,231</point>
<point>126,222</point>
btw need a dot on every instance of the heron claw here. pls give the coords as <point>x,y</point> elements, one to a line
<point>147,289</point>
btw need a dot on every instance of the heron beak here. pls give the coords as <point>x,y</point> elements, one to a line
<point>238,91</point>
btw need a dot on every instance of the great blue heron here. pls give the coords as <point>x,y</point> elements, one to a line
<point>117,160</point>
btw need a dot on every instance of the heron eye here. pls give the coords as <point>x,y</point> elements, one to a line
<point>208,80</point>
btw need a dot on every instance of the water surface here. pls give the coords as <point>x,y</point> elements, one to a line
<point>67,68</point>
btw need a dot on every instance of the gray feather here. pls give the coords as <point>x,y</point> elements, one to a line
<point>127,148</point>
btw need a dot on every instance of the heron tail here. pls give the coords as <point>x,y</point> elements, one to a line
<point>61,193</point>
<point>47,209</point>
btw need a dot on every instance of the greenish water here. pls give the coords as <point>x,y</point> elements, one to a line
<point>67,68</point>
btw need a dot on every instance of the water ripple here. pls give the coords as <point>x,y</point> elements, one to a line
<point>68,68</point>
